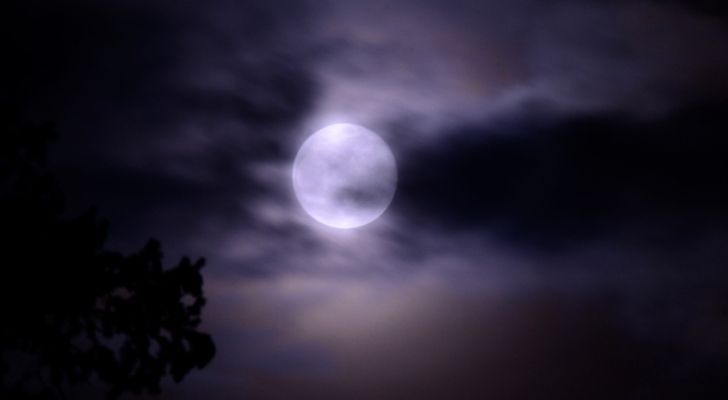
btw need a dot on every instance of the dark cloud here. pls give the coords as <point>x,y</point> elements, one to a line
<point>61,53</point>
<point>160,108</point>
<point>280,95</point>
<point>593,128</point>
<point>709,7</point>
<point>122,70</point>
<point>556,180</point>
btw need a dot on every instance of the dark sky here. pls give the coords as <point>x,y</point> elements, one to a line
<point>560,226</point>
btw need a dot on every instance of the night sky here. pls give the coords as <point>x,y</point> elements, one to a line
<point>560,225</point>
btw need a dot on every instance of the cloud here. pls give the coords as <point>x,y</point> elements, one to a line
<point>591,129</point>
<point>163,111</point>
<point>436,336</point>
<point>713,8</point>
<point>414,71</point>
<point>555,181</point>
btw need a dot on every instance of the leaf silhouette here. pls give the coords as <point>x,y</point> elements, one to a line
<point>74,311</point>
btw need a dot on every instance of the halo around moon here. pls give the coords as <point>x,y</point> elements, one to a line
<point>344,176</point>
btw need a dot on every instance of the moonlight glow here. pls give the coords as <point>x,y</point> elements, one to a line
<point>344,176</point>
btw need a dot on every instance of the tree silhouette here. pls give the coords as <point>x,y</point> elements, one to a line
<point>73,312</point>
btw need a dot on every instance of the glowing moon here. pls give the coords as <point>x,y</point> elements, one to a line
<point>344,176</point>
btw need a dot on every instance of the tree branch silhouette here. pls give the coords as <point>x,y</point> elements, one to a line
<point>74,312</point>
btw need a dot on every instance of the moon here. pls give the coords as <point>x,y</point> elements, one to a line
<point>344,176</point>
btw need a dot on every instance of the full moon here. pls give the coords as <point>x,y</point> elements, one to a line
<point>344,176</point>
